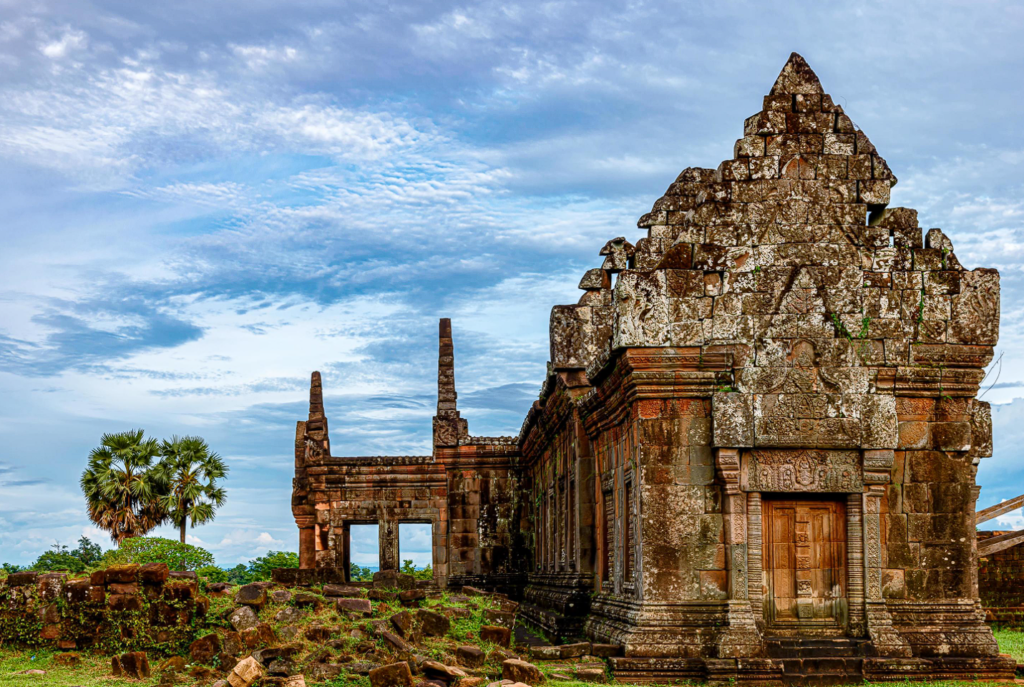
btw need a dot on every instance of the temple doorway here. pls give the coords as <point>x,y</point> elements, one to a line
<point>805,564</point>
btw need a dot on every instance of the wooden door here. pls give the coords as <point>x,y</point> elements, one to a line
<point>805,563</point>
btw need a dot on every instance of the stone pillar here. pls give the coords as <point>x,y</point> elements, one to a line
<point>740,638</point>
<point>855,562</point>
<point>755,557</point>
<point>387,535</point>
<point>877,473</point>
<point>307,541</point>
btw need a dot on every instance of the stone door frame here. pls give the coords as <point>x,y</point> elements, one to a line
<point>743,526</point>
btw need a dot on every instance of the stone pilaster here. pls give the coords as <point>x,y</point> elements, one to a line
<point>740,638</point>
<point>307,541</point>
<point>877,473</point>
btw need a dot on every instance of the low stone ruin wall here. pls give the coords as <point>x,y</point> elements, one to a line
<point>1001,583</point>
<point>122,608</point>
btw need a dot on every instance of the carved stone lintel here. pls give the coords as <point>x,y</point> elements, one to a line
<point>813,470</point>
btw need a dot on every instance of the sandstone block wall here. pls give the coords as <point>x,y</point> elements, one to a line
<point>122,608</point>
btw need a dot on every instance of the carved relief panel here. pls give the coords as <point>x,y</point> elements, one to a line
<point>807,470</point>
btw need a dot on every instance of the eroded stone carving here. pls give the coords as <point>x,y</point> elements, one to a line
<point>802,470</point>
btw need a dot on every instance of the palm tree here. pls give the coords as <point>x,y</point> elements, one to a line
<point>121,489</point>
<point>191,470</point>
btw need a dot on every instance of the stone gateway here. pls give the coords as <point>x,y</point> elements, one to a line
<point>754,454</point>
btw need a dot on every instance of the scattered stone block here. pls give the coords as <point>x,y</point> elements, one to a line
<point>392,579</point>
<point>134,664</point>
<point>438,670</point>
<point>412,597</point>
<point>403,622</point>
<point>246,672</point>
<point>204,649</point>
<point>251,595</point>
<point>545,653</point>
<point>591,675</point>
<point>281,596</point>
<point>471,656</point>
<point>342,590</point>
<point>243,618</point>
<point>391,675</point>
<point>432,624</point>
<point>574,650</point>
<point>521,671</point>
<point>362,606</point>
<point>68,659</point>
<point>502,636</point>
<point>307,600</point>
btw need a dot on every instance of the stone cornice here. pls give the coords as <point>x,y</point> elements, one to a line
<point>647,373</point>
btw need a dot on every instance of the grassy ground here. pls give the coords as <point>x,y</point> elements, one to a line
<point>94,670</point>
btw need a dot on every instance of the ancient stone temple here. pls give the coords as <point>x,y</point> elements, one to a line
<point>756,443</point>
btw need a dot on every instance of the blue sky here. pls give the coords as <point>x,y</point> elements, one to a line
<point>203,202</point>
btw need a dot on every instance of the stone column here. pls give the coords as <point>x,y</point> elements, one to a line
<point>877,473</point>
<point>755,557</point>
<point>387,536</point>
<point>307,541</point>
<point>855,562</point>
<point>740,637</point>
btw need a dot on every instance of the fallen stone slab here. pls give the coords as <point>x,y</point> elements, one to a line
<point>502,636</point>
<point>546,653</point>
<point>134,664</point>
<point>251,595</point>
<point>243,618</point>
<point>412,597</point>
<point>246,672</point>
<point>433,624</point>
<point>204,649</point>
<point>438,670</point>
<point>521,671</point>
<point>403,622</point>
<point>342,590</point>
<point>280,596</point>
<point>350,605</point>
<point>392,675</point>
<point>591,675</point>
<point>574,650</point>
<point>471,656</point>
<point>290,614</point>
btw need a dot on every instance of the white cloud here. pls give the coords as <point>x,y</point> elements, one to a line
<point>71,39</point>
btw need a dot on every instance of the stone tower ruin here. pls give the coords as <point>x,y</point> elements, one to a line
<point>758,436</point>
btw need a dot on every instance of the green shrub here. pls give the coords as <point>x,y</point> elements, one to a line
<point>259,568</point>
<point>176,555</point>
<point>357,574</point>
<point>213,573</point>
<point>77,560</point>
<point>408,568</point>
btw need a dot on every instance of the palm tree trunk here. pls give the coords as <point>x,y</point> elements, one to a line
<point>182,531</point>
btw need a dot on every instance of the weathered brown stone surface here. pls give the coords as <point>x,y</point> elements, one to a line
<point>759,421</point>
<point>75,614</point>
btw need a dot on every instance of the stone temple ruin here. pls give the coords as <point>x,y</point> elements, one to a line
<point>756,445</point>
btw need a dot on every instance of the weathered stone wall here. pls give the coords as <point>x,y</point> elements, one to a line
<point>1001,583</point>
<point>122,608</point>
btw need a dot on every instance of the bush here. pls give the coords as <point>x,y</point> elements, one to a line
<point>77,560</point>
<point>239,574</point>
<point>213,573</point>
<point>259,568</point>
<point>358,574</point>
<point>176,555</point>
<point>408,568</point>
